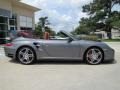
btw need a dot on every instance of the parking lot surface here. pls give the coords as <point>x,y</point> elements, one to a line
<point>56,75</point>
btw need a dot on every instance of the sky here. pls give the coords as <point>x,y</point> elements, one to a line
<point>62,14</point>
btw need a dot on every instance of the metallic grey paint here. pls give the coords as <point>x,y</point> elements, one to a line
<point>59,49</point>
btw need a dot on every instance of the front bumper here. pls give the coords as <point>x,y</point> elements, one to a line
<point>109,54</point>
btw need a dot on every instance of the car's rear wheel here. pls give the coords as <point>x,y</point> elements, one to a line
<point>26,55</point>
<point>94,56</point>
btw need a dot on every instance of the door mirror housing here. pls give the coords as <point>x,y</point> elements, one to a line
<point>70,39</point>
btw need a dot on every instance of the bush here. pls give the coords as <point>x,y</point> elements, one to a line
<point>89,37</point>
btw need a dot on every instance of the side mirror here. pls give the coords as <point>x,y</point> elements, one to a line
<point>70,39</point>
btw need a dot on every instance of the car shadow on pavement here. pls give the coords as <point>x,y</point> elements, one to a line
<point>62,62</point>
<point>109,62</point>
<point>54,62</point>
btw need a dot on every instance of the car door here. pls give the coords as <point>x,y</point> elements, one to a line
<point>61,48</point>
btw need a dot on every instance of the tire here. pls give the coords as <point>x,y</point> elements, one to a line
<point>26,55</point>
<point>94,56</point>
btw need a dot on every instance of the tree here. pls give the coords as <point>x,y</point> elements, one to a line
<point>42,26</point>
<point>86,26</point>
<point>100,12</point>
<point>43,21</point>
<point>38,30</point>
<point>48,29</point>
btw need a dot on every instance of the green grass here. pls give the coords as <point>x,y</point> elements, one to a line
<point>111,40</point>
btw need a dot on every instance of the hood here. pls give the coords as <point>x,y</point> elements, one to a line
<point>94,43</point>
<point>91,42</point>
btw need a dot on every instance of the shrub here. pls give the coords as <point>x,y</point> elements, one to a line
<point>88,37</point>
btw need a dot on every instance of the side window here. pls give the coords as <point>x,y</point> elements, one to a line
<point>26,23</point>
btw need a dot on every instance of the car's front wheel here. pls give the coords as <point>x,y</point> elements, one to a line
<point>26,55</point>
<point>94,56</point>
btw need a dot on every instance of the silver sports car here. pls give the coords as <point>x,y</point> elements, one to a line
<point>27,51</point>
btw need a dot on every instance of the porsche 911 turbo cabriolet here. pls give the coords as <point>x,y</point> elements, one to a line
<point>27,51</point>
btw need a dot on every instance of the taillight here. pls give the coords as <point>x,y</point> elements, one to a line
<point>8,44</point>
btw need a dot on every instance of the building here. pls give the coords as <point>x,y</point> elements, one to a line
<point>15,15</point>
<point>103,35</point>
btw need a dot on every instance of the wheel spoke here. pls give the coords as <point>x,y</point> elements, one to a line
<point>26,51</point>
<point>30,55</point>
<point>21,53</point>
<point>93,52</point>
<point>99,53</point>
<point>22,58</point>
<point>28,59</point>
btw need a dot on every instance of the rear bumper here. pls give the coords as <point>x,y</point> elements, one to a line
<point>9,52</point>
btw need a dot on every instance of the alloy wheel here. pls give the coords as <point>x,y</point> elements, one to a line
<point>94,56</point>
<point>26,55</point>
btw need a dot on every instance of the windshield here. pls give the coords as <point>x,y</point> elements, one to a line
<point>71,35</point>
<point>74,36</point>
